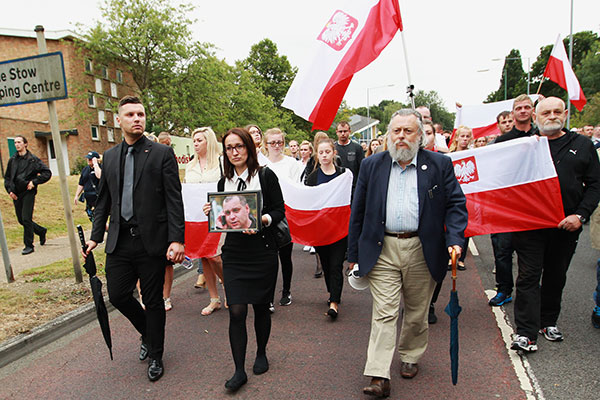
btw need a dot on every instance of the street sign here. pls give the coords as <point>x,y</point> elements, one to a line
<point>32,79</point>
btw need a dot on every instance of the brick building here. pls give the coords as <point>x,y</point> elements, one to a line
<point>86,118</point>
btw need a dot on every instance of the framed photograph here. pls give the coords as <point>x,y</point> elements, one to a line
<point>234,211</point>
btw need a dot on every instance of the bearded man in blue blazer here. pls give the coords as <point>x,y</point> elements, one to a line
<point>408,214</point>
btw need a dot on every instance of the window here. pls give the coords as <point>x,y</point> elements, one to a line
<point>110,134</point>
<point>89,66</point>
<point>98,85</point>
<point>91,100</point>
<point>104,71</point>
<point>113,89</point>
<point>115,122</point>
<point>119,76</point>
<point>101,118</point>
<point>95,133</point>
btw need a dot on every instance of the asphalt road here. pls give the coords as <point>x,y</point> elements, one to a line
<point>313,358</point>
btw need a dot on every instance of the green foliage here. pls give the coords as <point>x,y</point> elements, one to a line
<point>513,81</point>
<point>590,115</point>
<point>434,102</point>
<point>80,164</point>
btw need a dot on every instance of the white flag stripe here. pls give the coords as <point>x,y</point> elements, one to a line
<point>511,163</point>
<point>480,115</point>
<point>335,193</point>
<point>194,197</point>
<point>559,52</point>
<point>319,69</point>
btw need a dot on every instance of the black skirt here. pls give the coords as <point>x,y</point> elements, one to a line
<point>249,268</point>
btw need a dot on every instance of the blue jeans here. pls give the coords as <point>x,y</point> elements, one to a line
<point>597,292</point>
<point>503,254</point>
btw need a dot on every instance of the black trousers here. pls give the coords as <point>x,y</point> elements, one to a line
<point>285,257</point>
<point>24,211</point>
<point>128,263</point>
<point>332,260</point>
<point>503,252</point>
<point>542,255</point>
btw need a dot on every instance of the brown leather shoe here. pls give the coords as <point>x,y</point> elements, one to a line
<point>379,387</point>
<point>409,370</point>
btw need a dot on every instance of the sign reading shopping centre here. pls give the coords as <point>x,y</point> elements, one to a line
<point>32,79</point>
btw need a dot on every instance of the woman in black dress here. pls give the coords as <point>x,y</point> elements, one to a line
<point>331,255</point>
<point>249,257</point>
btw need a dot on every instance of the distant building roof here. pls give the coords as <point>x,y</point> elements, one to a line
<point>30,33</point>
<point>359,123</point>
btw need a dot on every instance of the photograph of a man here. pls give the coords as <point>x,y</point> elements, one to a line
<point>235,212</point>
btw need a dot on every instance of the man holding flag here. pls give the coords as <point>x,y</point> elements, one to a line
<point>545,254</point>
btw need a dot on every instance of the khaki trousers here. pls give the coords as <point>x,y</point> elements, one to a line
<point>400,271</point>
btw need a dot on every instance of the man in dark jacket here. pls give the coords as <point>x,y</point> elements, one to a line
<point>23,175</point>
<point>544,255</point>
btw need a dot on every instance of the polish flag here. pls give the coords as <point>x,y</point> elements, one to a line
<point>198,242</point>
<point>318,215</point>
<point>559,71</point>
<point>352,38</point>
<point>482,117</point>
<point>510,186</point>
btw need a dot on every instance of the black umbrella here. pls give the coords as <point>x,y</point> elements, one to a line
<point>96,285</point>
<point>453,309</point>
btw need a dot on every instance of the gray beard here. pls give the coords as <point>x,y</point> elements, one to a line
<point>402,155</point>
<point>551,128</point>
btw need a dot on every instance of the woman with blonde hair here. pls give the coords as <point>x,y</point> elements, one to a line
<point>462,140</point>
<point>203,168</point>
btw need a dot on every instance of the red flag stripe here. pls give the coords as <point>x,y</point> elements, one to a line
<point>318,227</point>
<point>515,208</point>
<point>556,73</point>
<point>199,242</point>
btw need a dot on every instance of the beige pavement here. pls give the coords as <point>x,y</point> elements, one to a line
<point>54,250</point>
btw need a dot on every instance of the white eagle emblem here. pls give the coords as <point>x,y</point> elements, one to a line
<point>465,170</point>
<point>338,30</point>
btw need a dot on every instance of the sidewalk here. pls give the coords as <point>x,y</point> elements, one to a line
<point>310,357</point>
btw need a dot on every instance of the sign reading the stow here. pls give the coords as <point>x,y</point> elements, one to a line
<point>32,79</point>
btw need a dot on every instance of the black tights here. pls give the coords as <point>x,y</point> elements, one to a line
<point>238,336</point>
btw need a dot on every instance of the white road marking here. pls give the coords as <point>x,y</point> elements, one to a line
<point>523,369</point>
<point>473,248</point>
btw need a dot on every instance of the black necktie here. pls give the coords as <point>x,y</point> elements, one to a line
<point>241,185</point>
<point>127,197</point>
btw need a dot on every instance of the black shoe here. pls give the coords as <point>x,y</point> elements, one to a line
<point>43,237</point>
<point>332,313</point>
<point>318,273</point>
<point>237,381</point>
<point>286,299</point>
<point>261,365</point>
<point>143,351</point>
<point>431,318</point>
<point>27,250</point>
<point>155,370</point>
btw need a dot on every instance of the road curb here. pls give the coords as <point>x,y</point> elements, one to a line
<point>19,346</point>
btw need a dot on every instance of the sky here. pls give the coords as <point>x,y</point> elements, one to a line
<point>447,42</point>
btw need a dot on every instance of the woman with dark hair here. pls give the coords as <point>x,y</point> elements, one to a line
<point>257,137</point>
<point>373,145</point>
<point>332,255</point>
<point>249,257</point>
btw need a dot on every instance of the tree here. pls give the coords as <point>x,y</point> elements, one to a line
<point>434,102</point>
<point>513,81</point>
<point>269,71</point>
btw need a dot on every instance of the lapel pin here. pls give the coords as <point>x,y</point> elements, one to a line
<point>423,167</point>
<point>145,151</point>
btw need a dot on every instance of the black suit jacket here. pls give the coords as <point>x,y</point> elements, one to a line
<point>157,201</point>
<point>442,211</point>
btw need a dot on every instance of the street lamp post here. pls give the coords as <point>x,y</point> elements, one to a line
<point>506,73</point>
<point>368,104</point>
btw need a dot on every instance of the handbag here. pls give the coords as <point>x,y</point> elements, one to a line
<point>281,232</point>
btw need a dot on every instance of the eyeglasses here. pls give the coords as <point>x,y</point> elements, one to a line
<point>238,147</point>
<point>275,143</point>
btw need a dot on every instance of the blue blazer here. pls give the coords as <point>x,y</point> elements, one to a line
<point>442,211</point>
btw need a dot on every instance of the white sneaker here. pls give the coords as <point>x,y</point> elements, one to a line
<point>306,248</point>
<point>523,343</point>
<point>313,251</point>
<point>168,304</point>
<point>552,334</point>
<point>271,308</point>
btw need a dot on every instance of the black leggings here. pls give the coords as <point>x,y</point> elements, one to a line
<point>238,335</point>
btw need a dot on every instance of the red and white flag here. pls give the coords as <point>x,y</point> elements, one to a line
<point>352,38</point>
<point>482,117</point>
<point>559,71</point>
<point>318,215</point>
<point>198,242</point>
<point>510,186</point>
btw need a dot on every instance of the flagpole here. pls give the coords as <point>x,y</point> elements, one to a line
<point>410,85</point>
<point>571,62</point>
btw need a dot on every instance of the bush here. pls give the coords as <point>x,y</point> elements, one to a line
<point>80,163</point>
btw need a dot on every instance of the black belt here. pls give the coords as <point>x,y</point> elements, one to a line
<point>402,235</point>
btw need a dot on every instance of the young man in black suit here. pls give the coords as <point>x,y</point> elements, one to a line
<point>141,191</point>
